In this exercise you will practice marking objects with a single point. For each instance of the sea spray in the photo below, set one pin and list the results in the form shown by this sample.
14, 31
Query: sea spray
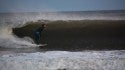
9, 40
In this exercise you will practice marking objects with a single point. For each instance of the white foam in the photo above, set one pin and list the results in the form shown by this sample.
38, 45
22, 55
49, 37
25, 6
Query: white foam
8, 40
85, 60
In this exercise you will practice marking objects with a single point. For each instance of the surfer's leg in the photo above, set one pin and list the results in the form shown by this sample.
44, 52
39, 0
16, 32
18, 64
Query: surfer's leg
37, 41
36, 38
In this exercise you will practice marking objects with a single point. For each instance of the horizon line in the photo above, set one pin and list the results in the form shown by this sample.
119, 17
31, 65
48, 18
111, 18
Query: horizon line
63, 11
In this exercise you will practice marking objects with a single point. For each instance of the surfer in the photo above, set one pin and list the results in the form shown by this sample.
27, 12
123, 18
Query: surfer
38, 32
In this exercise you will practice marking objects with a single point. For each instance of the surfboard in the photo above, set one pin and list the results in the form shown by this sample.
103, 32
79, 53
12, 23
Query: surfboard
41, 45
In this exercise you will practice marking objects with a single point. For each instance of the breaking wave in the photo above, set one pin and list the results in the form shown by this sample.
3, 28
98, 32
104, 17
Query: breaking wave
7, 37
14, 20
9, 40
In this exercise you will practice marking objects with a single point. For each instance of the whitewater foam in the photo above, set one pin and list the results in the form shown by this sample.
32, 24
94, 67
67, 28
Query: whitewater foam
7, 38
85, 60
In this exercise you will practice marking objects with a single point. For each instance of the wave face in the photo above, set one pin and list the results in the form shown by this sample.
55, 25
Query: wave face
13, 20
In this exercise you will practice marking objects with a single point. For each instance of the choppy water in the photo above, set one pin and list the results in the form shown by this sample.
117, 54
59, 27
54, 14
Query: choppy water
64, 60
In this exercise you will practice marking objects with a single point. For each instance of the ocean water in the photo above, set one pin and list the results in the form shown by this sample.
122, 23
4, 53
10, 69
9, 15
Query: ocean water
23, 54
64, 60
15, 20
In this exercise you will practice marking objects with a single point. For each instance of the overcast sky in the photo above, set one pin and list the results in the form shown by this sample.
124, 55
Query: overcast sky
60, 5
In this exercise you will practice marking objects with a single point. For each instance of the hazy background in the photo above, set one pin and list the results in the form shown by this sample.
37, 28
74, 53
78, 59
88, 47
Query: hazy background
60, 5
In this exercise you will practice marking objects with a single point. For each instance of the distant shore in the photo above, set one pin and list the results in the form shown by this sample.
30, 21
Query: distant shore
79, 34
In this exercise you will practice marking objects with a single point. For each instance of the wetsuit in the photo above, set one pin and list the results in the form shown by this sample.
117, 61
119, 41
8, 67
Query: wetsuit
37, 34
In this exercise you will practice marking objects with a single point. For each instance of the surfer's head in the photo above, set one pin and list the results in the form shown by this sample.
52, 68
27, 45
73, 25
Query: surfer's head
43, 26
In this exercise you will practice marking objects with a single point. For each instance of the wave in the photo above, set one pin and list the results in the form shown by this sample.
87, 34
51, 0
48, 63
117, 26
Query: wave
15, 20
8, 39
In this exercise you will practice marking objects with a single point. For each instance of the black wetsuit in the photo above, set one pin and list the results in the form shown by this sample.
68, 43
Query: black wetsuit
37, 34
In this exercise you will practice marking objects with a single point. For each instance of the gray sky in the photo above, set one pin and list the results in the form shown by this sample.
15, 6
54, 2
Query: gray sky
60, 5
